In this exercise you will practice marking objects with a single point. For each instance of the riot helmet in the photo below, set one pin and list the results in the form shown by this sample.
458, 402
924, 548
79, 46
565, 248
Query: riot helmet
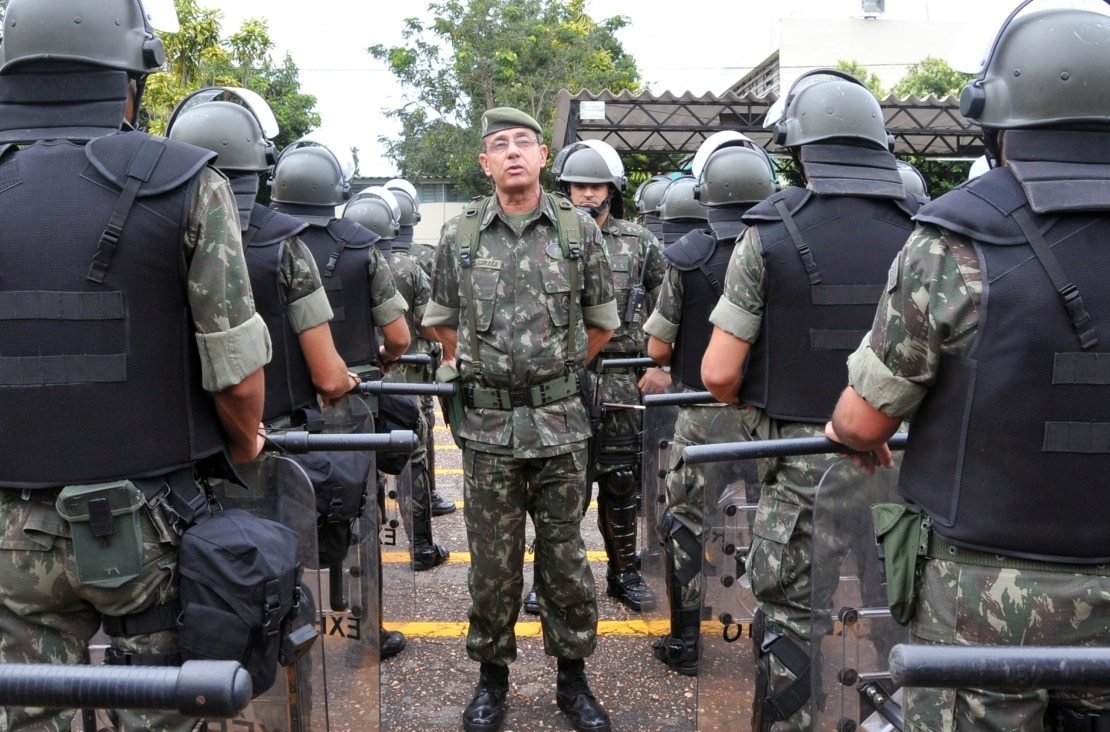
826, 104
407, 199
234, 131
1045, 67
592, 161
912, 180
679, 202
308, 182
377, 209
735, 175
650, 194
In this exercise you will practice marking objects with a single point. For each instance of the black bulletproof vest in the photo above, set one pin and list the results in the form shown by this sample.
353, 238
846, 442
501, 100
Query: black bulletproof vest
1010, 450
342, 250
814, 319
99, 371
703, 261
288, 381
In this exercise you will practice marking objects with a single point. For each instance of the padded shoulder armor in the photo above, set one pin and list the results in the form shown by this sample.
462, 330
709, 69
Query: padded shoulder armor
269, 227
694, 248
982, 209
794, 198
161, 164
353, 235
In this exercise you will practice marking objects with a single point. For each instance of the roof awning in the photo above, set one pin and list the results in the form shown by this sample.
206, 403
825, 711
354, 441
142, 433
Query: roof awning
658, 132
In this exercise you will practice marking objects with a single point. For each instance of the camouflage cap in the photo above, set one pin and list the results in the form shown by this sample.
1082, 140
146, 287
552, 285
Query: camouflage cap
505, 118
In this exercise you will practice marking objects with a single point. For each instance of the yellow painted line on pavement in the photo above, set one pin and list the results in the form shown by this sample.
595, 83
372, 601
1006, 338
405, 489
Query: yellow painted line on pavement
532, 629
447, 447
449, 471
458, 557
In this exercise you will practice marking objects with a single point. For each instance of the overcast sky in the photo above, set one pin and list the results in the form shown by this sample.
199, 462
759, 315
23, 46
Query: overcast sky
694, 45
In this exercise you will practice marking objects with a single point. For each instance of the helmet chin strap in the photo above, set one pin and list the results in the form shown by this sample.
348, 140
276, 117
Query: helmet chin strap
598, 210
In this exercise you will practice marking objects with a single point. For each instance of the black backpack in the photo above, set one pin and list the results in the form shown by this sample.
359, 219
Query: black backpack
241, 594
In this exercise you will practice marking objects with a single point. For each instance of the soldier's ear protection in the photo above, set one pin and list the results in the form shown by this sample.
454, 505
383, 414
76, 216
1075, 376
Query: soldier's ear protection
154, 52
973, 98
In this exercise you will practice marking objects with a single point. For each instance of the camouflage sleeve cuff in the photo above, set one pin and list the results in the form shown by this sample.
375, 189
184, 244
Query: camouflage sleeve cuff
389, 310
661, 328
735, 321
229, 356
436, 314
310, 311
602, 316
884, 390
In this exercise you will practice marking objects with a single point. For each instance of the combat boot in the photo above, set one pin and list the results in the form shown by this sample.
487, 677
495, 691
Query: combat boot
390, 643
486, 710
427, 556
573, 695
679, 650
440, 505
532, 602
616, 518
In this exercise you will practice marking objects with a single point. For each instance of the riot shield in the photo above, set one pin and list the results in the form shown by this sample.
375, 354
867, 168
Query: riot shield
730, 495
852, 630
277, 488
658, 435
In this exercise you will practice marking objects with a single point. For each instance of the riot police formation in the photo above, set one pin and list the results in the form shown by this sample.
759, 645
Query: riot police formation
592, 176
137, 287
988, 335
799, 294
733, 175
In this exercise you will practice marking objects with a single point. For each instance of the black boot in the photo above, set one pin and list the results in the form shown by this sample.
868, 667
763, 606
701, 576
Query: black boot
486, 710
616, 518
532, 602
390, 643
575, 699
679, 650
441, 506
426, 554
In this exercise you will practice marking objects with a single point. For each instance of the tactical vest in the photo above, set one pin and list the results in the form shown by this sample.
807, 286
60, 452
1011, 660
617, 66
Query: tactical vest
826, 260
628, 273
99, 372
288, 381
343, 252
703, 261
1010, 449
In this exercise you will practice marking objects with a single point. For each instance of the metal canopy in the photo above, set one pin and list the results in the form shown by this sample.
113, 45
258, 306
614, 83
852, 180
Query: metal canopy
658, 132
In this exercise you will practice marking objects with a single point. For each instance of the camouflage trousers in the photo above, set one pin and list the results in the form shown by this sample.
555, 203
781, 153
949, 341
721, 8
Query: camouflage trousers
47, 616
962, 604
780, 561
619, 434
499, 491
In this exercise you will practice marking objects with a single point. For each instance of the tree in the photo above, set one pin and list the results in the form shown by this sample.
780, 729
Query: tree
486, 53
865, 75
931, 75
197, 56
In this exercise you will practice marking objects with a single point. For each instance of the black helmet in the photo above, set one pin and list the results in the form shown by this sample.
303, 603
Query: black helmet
112, 34
735, 175
1045, 67
826, 104
232, 130
309, 182
376, 208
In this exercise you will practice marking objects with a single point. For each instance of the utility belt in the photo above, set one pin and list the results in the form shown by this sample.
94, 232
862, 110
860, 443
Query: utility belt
539, 395
941, 549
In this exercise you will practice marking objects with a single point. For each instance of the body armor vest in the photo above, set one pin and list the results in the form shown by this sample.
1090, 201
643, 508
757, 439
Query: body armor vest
288, 381
703, 261
820, 295
97, 330
627, 262
1009, 451
343, 252
403, 241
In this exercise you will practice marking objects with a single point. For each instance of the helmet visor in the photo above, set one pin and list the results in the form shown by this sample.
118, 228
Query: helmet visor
715, 141
161, 15
243, 97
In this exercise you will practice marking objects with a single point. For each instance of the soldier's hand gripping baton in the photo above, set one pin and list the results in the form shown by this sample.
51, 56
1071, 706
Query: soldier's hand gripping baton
298, 442
1006, 668
196, 689
773, 448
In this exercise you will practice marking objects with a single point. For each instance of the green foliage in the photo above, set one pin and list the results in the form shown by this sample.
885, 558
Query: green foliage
931, 76
197, 56
861, 72
486, 53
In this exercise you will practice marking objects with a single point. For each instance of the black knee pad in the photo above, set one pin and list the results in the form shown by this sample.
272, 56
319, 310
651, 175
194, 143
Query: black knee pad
618, 484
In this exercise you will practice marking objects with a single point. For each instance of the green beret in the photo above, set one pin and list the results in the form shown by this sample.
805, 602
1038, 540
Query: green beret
505, 118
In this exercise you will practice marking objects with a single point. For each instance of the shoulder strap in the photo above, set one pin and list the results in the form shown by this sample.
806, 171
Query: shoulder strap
469, 229
570, 240
804, 252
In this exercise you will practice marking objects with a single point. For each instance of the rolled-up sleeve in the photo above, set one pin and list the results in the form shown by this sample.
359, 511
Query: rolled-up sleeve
739, 311
229, 356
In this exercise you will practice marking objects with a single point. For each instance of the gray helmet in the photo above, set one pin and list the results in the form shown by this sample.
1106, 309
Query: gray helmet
735, 175
228, 129
590, 161
826, 104
376, 214
679, 202
309, 175
113, 34
1045, 67
650, 194
407, 198
912, 180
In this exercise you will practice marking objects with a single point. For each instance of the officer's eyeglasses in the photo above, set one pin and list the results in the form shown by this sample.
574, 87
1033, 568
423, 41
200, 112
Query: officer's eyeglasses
500, 146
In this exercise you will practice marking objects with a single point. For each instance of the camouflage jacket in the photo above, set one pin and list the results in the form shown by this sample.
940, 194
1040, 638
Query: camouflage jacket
631, 250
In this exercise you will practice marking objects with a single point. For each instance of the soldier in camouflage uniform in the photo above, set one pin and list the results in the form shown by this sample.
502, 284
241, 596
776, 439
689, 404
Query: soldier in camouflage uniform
1004, 465
376, 209
522, 289
796, 300
592, 176
174, 303
729, 182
